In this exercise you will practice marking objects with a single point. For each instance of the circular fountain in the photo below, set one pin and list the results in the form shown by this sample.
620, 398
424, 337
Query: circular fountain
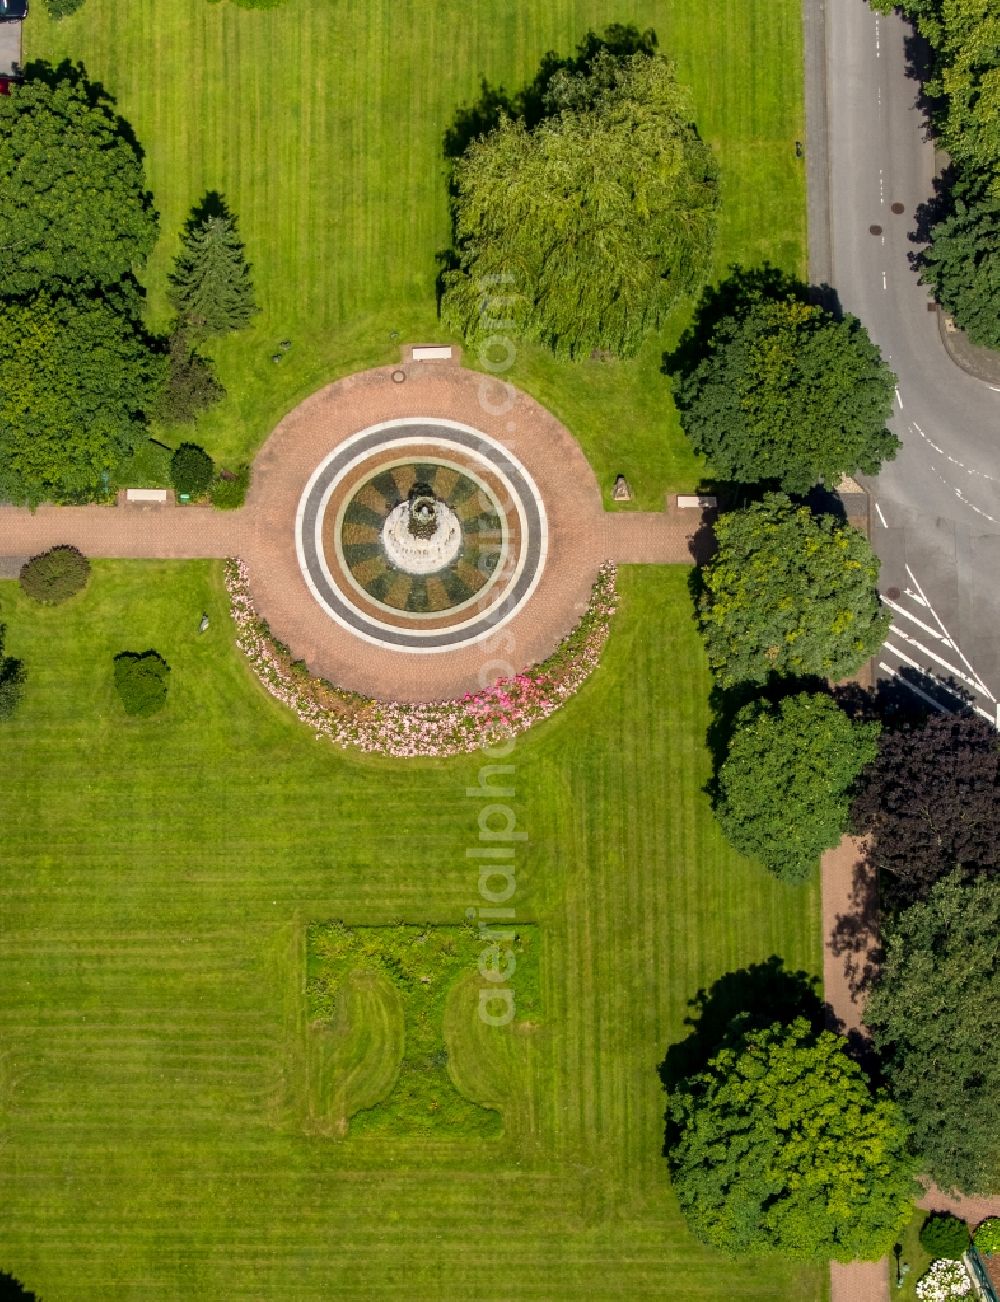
422, 535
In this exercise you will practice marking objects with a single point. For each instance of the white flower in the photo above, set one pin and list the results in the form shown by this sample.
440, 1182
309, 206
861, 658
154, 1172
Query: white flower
944, 1280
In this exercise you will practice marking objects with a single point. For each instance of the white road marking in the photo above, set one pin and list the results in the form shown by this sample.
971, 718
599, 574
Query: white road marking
899, 398
938, 705
978, 474
914, 688
882, 519
926, 438
963, 499
938, 660
901, 610
940, 623
884, 282
915, 596
995, 388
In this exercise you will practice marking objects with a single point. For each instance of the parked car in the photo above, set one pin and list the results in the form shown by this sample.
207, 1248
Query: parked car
12, 11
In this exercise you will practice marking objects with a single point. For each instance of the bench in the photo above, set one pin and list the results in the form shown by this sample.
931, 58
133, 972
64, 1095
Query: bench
697, 503
431, 353
146, 494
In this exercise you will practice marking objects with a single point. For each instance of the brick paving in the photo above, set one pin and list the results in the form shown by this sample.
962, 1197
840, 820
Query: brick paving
850, 963
581, 534
850, 950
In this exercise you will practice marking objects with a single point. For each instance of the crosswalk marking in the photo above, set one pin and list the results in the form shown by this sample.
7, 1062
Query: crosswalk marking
932, 655
940, 623
939, 674
900, 610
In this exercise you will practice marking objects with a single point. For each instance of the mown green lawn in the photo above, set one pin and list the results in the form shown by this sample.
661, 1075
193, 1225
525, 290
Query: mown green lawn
165, 1122
322, 123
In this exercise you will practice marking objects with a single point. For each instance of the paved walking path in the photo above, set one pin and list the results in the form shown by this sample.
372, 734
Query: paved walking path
850, 946
850, 962
581, 535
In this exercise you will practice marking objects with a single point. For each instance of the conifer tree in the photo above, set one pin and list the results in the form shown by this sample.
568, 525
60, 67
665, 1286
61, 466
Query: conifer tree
210, 285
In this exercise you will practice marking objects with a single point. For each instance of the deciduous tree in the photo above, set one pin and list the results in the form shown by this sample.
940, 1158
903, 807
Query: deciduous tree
584, 230
781, 1146
931, 803
788, 392
789, 592
935, 1017
784, 787
75, 381
962, 262
74, 208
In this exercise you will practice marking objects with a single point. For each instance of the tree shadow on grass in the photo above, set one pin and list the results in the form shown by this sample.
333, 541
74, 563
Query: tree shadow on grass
530, 105
735, 1005
12, 1290
741, 289
211, 206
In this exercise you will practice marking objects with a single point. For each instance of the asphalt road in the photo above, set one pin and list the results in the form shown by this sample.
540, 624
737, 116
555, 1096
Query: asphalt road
937, 517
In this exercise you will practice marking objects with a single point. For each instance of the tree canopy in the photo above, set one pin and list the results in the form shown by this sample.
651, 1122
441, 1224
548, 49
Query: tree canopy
935, 1018
965, 36
931, 802
582, 231
788, 392
789, 592
781, 1146
74, 208
964, 89
962, 261
784, 786
75, 380
210, 285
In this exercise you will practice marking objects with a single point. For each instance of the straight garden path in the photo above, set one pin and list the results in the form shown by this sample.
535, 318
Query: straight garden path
850, 962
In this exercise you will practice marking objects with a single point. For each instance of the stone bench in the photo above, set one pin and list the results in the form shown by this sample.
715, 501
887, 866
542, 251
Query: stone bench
431, 353
696, 503
161, 495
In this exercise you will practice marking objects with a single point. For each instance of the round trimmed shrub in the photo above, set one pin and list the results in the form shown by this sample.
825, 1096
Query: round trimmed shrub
987, 1237
61, 8
944, 1235
229, 490
56, 575
141, 680
191, 470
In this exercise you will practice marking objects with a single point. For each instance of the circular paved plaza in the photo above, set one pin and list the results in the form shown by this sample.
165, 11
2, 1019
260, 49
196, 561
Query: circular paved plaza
415, 538
421, 535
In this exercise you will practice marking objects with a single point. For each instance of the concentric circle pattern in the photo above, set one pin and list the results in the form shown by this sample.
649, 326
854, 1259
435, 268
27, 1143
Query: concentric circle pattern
426, 586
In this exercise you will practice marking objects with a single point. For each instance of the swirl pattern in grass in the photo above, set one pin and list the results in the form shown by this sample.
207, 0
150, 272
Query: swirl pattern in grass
409, 995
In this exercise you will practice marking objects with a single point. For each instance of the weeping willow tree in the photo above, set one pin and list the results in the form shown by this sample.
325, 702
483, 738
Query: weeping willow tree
581, 232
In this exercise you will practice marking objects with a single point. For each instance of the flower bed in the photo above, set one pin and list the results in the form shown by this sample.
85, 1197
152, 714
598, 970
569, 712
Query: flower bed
944, 1280
395, 728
